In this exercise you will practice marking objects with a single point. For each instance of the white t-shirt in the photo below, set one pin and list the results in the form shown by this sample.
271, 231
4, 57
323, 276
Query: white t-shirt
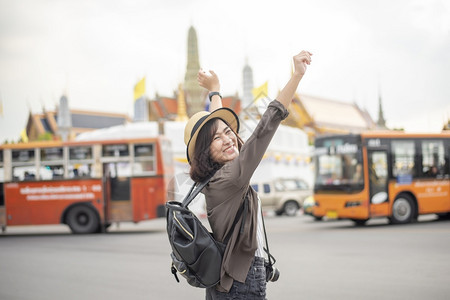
260, 232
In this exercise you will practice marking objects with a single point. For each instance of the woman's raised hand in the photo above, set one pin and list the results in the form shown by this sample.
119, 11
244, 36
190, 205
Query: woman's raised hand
301, 61
209, 82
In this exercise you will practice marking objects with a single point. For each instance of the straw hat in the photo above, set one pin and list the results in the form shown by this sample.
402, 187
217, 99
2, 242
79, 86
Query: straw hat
196, 122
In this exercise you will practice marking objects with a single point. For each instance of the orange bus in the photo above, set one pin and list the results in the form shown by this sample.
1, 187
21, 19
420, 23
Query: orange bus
382, 174
86, 185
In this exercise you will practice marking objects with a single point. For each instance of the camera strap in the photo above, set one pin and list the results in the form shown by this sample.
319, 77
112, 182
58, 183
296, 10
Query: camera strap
266, 249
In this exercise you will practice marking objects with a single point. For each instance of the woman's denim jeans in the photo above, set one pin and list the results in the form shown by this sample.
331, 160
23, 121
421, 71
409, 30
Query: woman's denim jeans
253, 288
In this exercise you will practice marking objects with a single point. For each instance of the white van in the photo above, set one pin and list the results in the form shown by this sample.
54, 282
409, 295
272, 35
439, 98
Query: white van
283, 195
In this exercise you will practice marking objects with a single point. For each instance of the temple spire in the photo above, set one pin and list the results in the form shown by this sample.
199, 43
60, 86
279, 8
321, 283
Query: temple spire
194, 93
64, 118
247, 73
381, 121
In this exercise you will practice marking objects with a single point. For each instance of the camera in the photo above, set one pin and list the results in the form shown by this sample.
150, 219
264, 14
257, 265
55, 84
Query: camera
272, 274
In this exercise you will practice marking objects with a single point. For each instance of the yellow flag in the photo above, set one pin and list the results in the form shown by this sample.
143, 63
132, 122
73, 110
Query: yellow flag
24, 136
139, 89
260, 92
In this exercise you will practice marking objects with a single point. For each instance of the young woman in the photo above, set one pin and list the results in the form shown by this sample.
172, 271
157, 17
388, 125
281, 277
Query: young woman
215, 149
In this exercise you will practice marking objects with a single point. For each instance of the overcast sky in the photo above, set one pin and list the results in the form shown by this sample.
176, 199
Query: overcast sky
96, 51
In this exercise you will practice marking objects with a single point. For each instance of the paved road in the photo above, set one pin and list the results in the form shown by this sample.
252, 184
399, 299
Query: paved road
318, 260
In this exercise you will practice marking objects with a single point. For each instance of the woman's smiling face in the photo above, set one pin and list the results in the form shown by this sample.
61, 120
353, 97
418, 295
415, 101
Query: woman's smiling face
224, 145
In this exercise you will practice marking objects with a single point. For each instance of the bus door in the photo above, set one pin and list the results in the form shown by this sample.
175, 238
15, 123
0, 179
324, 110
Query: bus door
378, 182
117, 191
2, 207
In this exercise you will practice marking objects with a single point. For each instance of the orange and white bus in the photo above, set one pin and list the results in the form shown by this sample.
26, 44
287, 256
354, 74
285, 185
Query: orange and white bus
382, 174
86, 185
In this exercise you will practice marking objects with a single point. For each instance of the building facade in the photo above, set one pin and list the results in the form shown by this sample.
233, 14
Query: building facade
65, 124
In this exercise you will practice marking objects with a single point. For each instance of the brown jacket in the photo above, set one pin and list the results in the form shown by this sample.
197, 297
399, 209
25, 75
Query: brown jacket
225, 194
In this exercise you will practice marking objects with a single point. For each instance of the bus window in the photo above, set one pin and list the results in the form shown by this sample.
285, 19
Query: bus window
51, 172
52, 163
339, 169
51, 154
119, 169
144, 159
80, 170
80, 153
80, 162
23, 156
144, 150
433, 158
24, 173
403, 158
116, 150
328, 169
23, 165
358, 175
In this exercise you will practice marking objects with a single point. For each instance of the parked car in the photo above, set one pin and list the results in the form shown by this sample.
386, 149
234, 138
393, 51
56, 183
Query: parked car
308, 207
284, 195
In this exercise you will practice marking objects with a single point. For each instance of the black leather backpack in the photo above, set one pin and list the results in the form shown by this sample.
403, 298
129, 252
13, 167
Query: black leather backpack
196, 255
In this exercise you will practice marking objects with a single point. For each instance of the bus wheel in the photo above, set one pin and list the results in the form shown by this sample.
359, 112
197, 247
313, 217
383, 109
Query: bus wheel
290, 208
359, 222
402, 210
82, 219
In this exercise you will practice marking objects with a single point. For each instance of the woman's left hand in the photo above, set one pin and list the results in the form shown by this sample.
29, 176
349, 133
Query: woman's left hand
209, 82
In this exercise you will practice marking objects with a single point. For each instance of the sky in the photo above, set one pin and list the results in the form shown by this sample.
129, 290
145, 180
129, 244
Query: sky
96, 51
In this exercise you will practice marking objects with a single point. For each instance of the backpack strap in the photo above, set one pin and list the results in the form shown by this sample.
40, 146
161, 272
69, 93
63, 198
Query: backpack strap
195, 190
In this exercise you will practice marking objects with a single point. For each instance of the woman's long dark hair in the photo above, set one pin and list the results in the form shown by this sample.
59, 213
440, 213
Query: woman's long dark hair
202, 165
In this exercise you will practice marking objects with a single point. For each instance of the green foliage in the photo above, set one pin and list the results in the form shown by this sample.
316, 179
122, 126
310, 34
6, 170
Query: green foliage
47, 136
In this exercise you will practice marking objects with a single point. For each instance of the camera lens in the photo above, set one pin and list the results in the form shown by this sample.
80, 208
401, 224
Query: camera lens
272, 274
275, 275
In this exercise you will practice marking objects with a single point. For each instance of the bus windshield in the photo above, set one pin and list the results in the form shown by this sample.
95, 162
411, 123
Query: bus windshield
339, 168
